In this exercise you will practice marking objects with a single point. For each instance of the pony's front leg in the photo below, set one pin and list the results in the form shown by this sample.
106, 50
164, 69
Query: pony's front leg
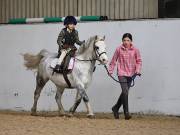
85, 98
89, 110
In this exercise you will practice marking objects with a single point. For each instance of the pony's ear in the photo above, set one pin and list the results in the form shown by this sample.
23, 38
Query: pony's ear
96, 38
104, 37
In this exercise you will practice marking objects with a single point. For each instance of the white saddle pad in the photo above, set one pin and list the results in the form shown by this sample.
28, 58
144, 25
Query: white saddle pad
55, 62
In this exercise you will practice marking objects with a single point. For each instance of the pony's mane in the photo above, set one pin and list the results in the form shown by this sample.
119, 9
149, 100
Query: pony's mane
86, 45
89, 42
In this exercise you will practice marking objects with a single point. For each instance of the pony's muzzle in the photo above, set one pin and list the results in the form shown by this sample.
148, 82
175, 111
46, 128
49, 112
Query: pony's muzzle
104, 60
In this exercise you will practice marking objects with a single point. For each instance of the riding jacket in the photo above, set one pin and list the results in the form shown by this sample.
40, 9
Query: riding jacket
68, 39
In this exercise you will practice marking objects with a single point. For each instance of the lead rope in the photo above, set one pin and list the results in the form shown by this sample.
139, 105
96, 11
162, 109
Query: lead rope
133, 77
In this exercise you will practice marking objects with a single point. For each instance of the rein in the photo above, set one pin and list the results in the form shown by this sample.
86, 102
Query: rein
86, 60
94, 59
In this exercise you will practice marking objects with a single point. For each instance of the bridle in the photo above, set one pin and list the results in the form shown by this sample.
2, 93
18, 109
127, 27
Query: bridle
97, 53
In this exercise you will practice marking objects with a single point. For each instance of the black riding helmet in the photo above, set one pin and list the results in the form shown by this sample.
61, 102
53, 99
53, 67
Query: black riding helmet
70, 20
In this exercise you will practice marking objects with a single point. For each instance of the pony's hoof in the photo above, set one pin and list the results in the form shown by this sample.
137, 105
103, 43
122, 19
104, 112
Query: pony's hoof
90, 116
33, 114
65, 115
69, 115
61, 114
71, 111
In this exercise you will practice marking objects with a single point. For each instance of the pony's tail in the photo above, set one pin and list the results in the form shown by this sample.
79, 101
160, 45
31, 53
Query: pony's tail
32, 61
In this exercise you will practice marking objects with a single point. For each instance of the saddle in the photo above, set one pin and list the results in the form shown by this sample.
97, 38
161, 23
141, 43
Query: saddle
67, 64
66, 67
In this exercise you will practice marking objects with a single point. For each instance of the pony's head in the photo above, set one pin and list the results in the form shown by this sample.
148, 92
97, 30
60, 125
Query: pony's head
100, 49
96, 47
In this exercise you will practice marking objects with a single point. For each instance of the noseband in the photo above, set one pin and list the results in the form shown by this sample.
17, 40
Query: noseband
98, 54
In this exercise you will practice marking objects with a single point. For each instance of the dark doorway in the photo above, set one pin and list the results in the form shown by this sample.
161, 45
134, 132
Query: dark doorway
169, 8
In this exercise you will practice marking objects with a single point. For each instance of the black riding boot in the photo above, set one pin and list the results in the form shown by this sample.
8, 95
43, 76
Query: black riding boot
126, 107
116, 107
57, 68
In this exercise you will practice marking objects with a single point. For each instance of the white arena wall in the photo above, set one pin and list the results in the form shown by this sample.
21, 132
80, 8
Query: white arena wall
156, 91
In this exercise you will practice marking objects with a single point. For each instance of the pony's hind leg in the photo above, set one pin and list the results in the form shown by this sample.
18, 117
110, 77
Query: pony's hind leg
76, 103
58, 96
40, 82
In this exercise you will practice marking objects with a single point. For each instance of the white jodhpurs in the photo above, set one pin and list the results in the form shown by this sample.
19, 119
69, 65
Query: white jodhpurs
63, 54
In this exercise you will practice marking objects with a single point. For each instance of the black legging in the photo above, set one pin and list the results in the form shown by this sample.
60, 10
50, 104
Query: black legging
123, 98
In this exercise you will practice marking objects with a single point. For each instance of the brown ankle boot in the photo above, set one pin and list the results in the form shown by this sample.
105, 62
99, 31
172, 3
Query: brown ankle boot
126, 108
127, 116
